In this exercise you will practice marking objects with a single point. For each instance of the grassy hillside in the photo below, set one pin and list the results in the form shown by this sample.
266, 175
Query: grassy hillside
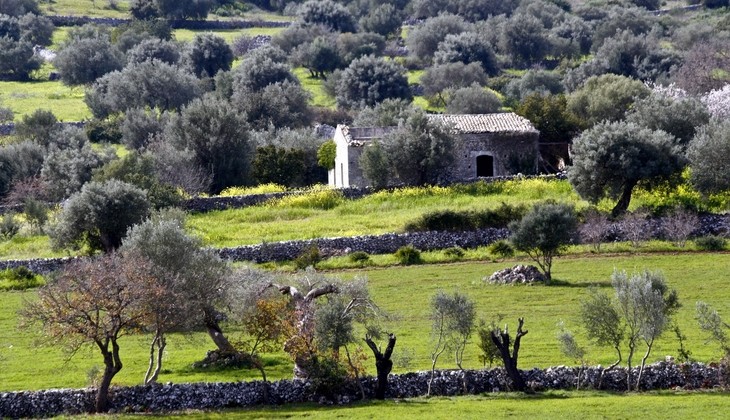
405, 292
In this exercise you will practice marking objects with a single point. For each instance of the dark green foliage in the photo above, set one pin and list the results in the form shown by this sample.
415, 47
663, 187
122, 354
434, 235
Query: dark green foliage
408, 255
456, 75
154, 49
9, 227
524, 38
541, 82
140, 125
310, 257
326, 154
467, 47
708, 156
678, 117
17, 59
19, 7
711, 243
351, 46
140, 170
423, 40
82, 61
359, 257
19, 279
40, 127
278, 166
302, 144
281, 105
369, 80
104, 131
375, 165
489, 353
550, 116
610, 159
384, 20
262, 67
420, 151
502, 249
208, 54
151, 84
606, 97
327, 375
171, 9
38, 30
36, 213
544, 232
19, 161
217, 134
328, 13
69, 163
472, 99
319, 56
449, 220
98, 216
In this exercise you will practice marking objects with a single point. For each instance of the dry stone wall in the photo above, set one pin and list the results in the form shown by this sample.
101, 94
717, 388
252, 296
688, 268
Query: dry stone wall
201, 396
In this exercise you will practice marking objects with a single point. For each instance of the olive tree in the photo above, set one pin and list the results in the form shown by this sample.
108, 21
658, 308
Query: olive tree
423, 40
217, 134
207, 54
196, 274
369, 80
640, 312
610, 159
472, 99
679, 117
98, 216
708, 156
607, 97
83, 60
453, 319
544, 232
328, 13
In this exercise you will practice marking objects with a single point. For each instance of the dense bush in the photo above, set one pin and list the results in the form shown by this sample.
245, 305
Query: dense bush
19, 279
408, 255
711, 243
467, 220
9, 227
310, 257
359, 257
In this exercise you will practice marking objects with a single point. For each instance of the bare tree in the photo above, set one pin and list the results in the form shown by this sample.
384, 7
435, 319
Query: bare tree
94, 301
502, 340
633, 227
679, 226
594, 229
383, 364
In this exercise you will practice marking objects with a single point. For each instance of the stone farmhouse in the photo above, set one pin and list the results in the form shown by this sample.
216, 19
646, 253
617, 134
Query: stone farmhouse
487, 145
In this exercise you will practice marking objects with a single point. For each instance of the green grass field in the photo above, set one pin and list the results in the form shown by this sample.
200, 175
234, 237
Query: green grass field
67, 103
548, 405
405, 292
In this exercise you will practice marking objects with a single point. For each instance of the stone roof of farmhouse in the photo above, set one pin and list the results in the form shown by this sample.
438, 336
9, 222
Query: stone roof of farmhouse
505, 122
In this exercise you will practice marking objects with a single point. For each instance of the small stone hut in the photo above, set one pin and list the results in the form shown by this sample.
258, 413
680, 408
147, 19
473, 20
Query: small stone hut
487, 145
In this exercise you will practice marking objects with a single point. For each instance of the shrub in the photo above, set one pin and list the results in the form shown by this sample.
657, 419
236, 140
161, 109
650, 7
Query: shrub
19, 279
308, 258
454, 252
9, 227
36, 213
442, 220
360, 257
408, 255
319, 199
502, 249
711, 243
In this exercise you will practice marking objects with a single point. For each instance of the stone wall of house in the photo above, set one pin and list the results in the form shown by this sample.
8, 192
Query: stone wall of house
207, 396
501, 146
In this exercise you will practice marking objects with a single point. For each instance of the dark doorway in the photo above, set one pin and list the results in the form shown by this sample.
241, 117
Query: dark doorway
485, 165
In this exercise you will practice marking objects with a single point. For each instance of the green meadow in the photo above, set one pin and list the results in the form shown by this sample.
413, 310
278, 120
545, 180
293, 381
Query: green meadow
405, 293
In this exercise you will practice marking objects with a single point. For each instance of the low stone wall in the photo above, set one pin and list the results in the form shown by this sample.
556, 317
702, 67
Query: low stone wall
203, 396
375, 244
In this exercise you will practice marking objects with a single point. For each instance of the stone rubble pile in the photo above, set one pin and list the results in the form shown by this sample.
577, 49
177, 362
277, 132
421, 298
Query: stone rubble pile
519, 274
